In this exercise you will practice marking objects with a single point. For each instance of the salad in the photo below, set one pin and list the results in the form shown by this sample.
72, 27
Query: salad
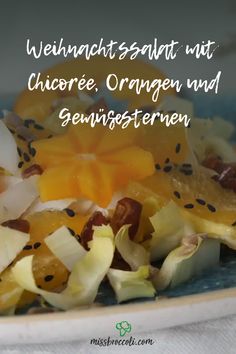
139, 210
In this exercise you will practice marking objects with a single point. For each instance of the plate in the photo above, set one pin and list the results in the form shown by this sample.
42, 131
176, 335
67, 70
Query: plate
95, 323
202, 298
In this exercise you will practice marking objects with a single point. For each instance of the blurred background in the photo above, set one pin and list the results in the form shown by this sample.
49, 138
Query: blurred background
87, 21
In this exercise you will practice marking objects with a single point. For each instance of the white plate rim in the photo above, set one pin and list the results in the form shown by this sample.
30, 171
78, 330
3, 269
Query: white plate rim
99, 322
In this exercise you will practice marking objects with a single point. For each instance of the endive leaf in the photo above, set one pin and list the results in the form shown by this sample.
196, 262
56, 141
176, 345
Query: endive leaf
170, 227
225, 233
133, 253
8, 150
84, 279
131, 285
65, 247
17, 199
196, 254
11, 244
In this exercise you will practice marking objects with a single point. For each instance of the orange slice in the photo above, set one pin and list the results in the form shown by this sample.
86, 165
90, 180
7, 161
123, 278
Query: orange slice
196, 192
38, 104
45, 263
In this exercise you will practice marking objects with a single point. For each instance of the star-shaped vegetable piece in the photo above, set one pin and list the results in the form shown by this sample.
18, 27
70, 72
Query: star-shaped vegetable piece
90, 163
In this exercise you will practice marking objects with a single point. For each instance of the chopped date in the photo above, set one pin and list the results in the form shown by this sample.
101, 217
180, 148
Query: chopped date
212, 162
229, 184
18, 224
128, 211
97, 219
119, 263
226, 172
32, 170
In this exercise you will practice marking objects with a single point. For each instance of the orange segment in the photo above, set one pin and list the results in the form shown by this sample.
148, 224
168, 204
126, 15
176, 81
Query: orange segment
45, 263
24, 133
38, 104
106, 178
166, 142
197, 193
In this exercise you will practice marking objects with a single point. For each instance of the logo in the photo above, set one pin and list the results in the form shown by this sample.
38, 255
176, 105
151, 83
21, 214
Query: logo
124, 327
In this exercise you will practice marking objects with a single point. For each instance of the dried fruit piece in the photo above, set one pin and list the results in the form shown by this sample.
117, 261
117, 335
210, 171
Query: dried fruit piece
18, 224
97, 219
127, 212
32, 170
226, 172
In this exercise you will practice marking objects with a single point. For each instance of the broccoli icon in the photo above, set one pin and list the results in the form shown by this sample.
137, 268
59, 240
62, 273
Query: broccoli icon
124, 327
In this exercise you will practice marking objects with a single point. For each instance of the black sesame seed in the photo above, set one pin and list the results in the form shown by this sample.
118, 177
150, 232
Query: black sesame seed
178, 148
211, 208
32, 151
27, 247
50, 136
20, 164
48, 278
177, 194
234, 223
187, 172
167, 160
167, 168
21, 137
38, 126
189, 206
186, 165
200, 201
70, 212
26, 157
26, 123
19, 151
29, 121
37, 245
158, 167
39, 286
71, 231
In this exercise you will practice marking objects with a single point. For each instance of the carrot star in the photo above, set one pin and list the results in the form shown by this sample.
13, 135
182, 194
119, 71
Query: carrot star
90, 163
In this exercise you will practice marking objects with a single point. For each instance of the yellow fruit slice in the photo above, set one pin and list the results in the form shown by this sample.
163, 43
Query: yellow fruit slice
196, 192
24, 133
49, 272
167, 144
